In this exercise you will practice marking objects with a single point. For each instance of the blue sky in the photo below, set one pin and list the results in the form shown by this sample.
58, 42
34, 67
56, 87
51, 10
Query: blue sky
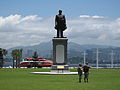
30, 22
72, 8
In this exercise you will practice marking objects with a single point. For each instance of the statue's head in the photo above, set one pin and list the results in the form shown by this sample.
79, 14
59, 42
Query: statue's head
60, 11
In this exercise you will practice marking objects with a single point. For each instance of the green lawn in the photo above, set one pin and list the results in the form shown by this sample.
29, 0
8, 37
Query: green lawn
20, 79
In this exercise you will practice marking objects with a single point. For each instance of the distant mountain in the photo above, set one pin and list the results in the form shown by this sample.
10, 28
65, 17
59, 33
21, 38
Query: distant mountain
45, 49
79, 47
75, 52
42, 49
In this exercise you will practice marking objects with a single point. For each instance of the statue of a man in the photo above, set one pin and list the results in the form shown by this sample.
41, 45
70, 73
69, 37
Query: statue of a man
60, 24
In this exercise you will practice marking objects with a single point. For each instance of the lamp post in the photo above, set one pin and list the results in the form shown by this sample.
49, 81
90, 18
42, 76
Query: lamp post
97, 58
112, 56
84, 54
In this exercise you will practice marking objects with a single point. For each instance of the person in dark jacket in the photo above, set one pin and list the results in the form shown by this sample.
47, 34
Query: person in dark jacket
80, 70
86, 72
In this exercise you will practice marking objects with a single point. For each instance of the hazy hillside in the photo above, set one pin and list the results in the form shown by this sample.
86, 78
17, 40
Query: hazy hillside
45, 49
75, 52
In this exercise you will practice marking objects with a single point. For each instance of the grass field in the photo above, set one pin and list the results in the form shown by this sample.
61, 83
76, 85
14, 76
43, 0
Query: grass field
20, 79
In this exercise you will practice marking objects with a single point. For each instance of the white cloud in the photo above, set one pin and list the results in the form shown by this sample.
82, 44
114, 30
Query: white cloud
84, 16
16, 30
95, 30
97, 16
87, 16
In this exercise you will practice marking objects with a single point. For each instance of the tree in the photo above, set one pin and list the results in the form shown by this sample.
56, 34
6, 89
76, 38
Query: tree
5, 52
17, 55
35, 55
2, 52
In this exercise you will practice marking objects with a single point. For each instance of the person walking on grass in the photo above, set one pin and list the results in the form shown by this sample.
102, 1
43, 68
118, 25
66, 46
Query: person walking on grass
86, 72
80, 70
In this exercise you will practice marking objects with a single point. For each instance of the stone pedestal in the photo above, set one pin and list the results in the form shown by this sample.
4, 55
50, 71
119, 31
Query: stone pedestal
60, 61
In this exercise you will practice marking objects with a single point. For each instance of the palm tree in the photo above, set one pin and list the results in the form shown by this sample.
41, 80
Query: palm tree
35, 55
14, 56
17, 55
2, 52
5, 52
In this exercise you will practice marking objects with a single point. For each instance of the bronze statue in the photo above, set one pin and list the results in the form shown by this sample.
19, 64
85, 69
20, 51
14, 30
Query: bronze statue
60, 24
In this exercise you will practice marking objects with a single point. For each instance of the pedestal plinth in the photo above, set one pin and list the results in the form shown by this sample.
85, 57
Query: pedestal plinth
60, 61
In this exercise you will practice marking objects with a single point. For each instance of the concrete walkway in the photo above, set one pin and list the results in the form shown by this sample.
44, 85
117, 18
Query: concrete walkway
54, 73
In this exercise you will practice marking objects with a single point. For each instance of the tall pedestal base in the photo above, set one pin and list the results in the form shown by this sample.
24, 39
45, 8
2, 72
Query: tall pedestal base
60, 61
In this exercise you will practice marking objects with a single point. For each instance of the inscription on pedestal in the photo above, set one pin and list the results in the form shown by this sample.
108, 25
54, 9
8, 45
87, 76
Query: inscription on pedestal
60, 54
